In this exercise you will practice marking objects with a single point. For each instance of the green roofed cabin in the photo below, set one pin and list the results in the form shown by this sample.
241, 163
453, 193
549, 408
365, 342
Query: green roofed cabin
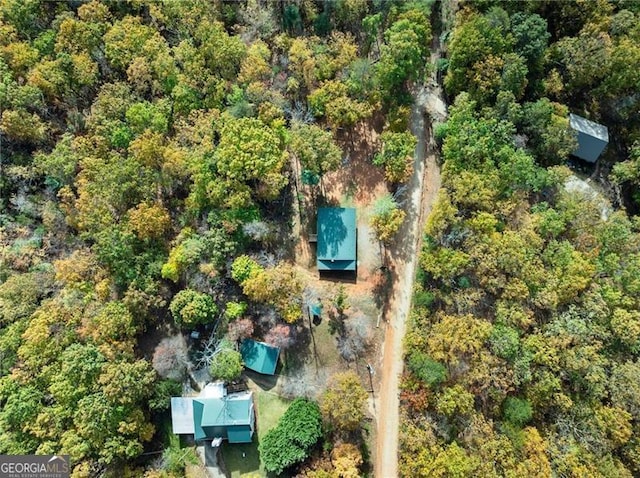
214, 415
259, 357
336, 239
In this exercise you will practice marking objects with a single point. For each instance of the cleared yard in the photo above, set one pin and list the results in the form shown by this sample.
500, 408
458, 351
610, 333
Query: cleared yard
243, 460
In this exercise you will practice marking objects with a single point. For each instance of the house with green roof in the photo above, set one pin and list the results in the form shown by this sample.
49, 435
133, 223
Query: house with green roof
259, 356
215, 415
336, 239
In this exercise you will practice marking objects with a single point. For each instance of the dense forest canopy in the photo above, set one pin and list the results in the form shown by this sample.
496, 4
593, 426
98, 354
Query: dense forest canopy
523, 356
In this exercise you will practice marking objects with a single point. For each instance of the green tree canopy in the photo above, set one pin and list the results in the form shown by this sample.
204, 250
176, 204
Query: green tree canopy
190, 308
292, 440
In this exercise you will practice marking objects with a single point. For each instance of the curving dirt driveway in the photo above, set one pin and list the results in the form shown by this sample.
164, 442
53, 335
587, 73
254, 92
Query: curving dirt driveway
420, 197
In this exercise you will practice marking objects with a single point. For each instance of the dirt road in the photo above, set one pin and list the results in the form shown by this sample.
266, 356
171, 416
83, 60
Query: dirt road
420, 197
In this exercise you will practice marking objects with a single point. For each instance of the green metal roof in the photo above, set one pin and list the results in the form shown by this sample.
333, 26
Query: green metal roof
239, 434
336, 239
260, 357
214, 417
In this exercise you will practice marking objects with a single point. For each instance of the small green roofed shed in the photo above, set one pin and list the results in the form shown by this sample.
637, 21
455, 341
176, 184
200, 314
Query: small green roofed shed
336, 239
259, 357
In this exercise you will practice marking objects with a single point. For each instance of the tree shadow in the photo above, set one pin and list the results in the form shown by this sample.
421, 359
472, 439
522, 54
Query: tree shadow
297, 355
265, 382
350, 277
382, 283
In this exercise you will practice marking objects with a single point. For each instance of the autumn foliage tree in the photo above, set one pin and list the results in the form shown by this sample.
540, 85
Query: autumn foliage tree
170, 358
279, 287
396, 156
343, 404
387, 218
190, 308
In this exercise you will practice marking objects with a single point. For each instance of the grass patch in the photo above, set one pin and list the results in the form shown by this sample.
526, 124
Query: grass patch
270, 408
244, 459
328, 355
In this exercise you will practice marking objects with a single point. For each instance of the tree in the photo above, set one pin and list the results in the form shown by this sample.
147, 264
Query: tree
280, 336
396, 155
332, 101
60, 164
251, 150
315, 148
125, 40
475, 40
190, 308
106, 430
349, 13
403, 55
240, 329
226, 363
113, 325
585, 58
292, 440
517, 411
260, 20
162, 393
387, 218
278, 286
625, 392
127, 383
23, 127
426, 369
244, 268
629, 171
343, 404
149, 221
235, 310
170, 358
215, 245
20, 295
347, 460
547, 126
454, 339
531, 38
455, 401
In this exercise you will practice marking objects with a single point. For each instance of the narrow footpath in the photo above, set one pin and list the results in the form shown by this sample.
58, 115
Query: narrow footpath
421, 194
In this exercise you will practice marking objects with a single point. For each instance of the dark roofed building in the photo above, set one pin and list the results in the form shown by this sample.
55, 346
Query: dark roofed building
336, 239
592, 138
